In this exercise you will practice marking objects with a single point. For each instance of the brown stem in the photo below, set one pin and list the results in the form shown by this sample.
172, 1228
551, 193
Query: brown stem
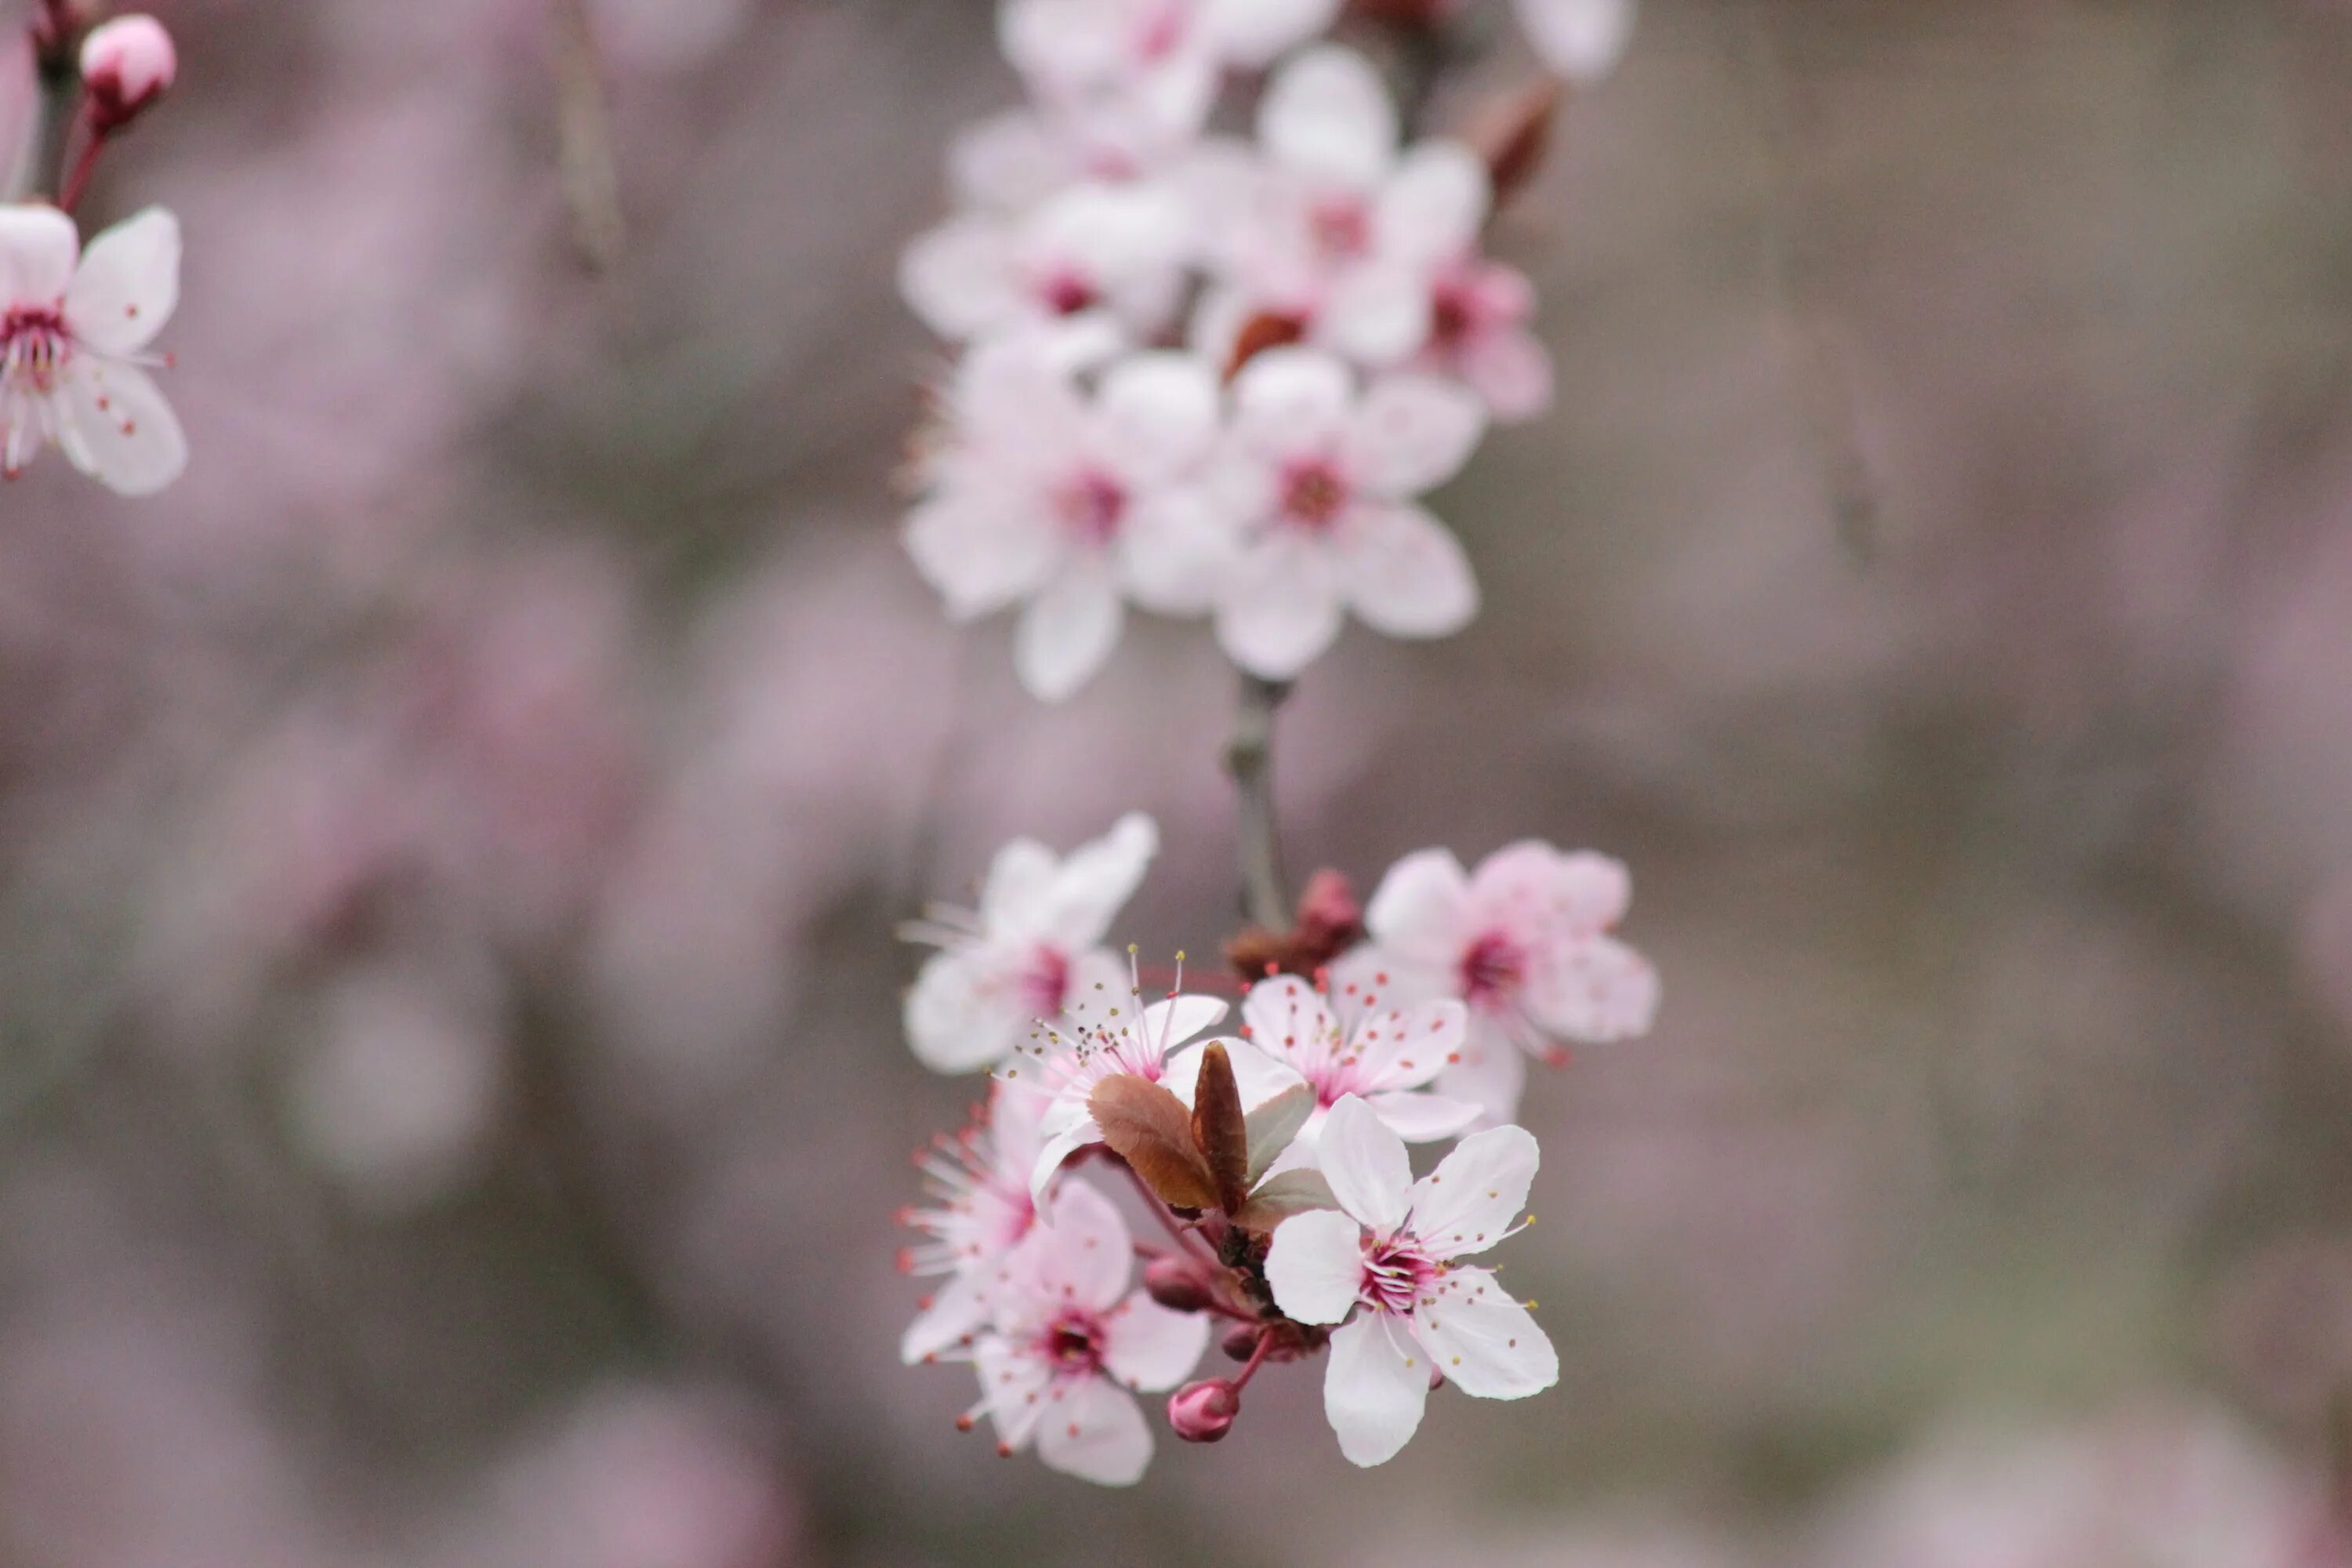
77, 180
590, 180
1249, 758
56, 38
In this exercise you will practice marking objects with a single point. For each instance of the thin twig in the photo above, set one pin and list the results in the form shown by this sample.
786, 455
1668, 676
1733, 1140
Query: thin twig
584, 126
57, 76
1249, 758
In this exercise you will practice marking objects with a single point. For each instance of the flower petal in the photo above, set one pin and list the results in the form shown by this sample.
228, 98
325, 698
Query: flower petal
1420, 907
1599, 990
1083, 1253
1013, 1381
1484, 1341
1376, 314
1096, 880
958, 1020
1172, 1020
1434, 204
1152, 1348
1094, 1430
959, 277
1291, 400
1327, 115
1492, 1075
1411, 433
1594, 890
1067, 631
1286, 1016
1405, 1048
1365, 1164
1470, 1200
37, 247
1511, 370
1405, 574
978, 552
121, 431
1175, 550
1316, 1265
1581, 40
1374, 1387
1281, 608
1156, 417
1059, 1146
1250, 33
959, 1309
128, 284
1419, 1117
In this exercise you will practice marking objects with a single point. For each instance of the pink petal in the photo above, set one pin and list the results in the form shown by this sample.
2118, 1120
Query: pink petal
1476, 1193
1316, 1265
1375, 1387
1484, 1341
1404, 572
1365, 1164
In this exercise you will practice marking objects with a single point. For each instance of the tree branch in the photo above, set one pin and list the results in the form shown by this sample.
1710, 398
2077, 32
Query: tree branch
1249, 758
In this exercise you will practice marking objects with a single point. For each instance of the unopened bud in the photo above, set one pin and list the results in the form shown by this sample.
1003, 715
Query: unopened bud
1203, 1412
1176, 1284
127, 64
1240, 1341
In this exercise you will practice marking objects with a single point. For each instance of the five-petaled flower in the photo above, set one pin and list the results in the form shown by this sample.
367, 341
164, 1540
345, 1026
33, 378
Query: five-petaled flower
1526, 942
1068, 1343
1389, 1057
1322, 480
981, 1209
74, 331
1390, 1255
1031, 951
1075, 504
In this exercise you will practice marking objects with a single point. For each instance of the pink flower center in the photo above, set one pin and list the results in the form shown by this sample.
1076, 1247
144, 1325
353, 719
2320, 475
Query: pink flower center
1047, 983
1161, 34
1092, 506
1074, 1344
1454, 314
1314, 494
33, 344
1342, 228
1066, 293
1492, 971
1397, 1274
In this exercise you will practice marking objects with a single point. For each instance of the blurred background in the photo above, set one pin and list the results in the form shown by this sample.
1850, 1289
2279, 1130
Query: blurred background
452, 1101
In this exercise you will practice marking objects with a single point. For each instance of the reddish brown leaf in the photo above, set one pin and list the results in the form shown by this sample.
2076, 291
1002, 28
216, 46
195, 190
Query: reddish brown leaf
1266, 330
1220, 1131
1150, 1129
1513, 132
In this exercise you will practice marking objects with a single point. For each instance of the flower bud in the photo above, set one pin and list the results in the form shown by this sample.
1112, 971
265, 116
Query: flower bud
1240, 1341
1203, 1412
1176, 1284
127, 64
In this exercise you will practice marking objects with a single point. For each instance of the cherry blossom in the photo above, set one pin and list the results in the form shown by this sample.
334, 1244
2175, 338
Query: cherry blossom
1388, 1254
1104, 261
1031, 951
1581, 40
1526, 942
1069, 1345
1323, 480
981, 1210
1170, 53
1072, 504
74, 329
126, 65
1388, 1058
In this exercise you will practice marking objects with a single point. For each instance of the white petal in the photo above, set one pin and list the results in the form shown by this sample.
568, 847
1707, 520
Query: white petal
1581, 40
1405, 1048
1404, 572
1094, 883
1250, 33
1067, 631
958, 1307
1176, 550
1014, 900
1470, 1200
1434, 204
1376, 314
1281, 607
1291, 400
1092, 1430
1259, 1077
1420, 907
1008, 162
959, 277
1411, 434
1316, 1265
1326, 114
957, 1017
38, 247
1365, 1164
1512, 370
1594, 890
1059, 1146
1483, 1341
977, 553
1421, 1118
1492, 1075
1374, 1388
1152, 1348
1013, 1381
123, 434
1172, 1020
1083, 1253
1156, 417
128, 284
1286, 1016
1597, 990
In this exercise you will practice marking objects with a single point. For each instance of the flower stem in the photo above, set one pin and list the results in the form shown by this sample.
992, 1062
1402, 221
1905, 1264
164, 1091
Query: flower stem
1257, 1359
1249, 758
590, 179
57, 76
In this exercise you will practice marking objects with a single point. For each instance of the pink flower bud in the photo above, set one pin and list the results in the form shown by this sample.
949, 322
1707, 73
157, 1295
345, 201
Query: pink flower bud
1240, 1341
1176, 1284
127, 64
1203, 1412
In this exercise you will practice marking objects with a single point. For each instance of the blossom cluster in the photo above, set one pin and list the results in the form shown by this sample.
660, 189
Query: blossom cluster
77, 324
1273, 1156
1210, 375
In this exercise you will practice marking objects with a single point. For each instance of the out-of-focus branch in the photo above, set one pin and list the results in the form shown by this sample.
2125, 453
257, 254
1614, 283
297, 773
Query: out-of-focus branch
1823, 389
1249, 757
583, 127
57, 37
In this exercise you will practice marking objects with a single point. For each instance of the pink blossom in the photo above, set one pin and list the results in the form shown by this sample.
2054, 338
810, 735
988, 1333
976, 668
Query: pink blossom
126, 65
1072, 504
1103, 262
1032, 952
74, 329
1387, 1056
1478, 335
1070, 1345
981, 1210
1388, 1254
1321, 480
1580, 40
1526, 942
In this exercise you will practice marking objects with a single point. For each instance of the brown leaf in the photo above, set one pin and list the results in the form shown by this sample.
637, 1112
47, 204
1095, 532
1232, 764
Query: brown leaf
1513, 132
1220, 1131
1266, 330
1150, 1129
